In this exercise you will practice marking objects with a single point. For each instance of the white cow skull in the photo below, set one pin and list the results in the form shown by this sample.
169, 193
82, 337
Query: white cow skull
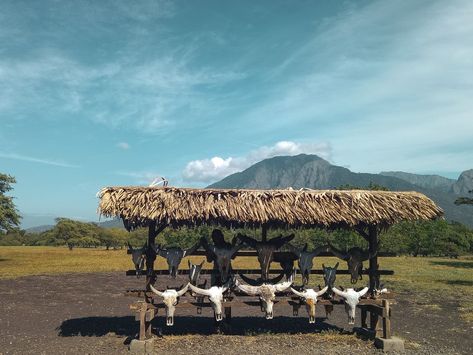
352, 298
170, 300
266, 293
215, 295
310, 298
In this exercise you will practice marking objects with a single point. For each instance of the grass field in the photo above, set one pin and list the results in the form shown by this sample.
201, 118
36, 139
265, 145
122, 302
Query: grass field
431, 280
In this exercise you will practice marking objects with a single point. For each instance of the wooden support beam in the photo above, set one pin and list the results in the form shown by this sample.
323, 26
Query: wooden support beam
251, 272
373, 250
387, 320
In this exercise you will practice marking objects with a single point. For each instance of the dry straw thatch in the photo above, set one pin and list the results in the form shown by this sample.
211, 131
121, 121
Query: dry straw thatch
275, 208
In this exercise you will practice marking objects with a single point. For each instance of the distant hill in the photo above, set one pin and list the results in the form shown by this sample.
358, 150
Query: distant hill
464, 184
311, 171
40, 229
113, 223
435, 182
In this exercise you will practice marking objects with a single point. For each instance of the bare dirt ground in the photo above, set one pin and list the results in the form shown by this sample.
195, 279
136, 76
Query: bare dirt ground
88, 314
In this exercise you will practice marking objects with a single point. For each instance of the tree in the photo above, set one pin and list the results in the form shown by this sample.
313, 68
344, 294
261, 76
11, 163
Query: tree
9, 216
464, 200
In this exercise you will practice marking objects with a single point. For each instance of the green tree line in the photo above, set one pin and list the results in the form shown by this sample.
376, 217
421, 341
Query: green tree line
422, 238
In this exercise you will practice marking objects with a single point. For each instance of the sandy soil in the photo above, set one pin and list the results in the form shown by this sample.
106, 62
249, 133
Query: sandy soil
88, 314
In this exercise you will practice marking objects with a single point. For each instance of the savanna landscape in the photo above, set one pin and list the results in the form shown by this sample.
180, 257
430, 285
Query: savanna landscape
236, 177
55, 300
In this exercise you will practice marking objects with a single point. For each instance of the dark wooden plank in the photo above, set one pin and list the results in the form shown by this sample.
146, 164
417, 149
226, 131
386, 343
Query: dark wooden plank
254, 253
251, 272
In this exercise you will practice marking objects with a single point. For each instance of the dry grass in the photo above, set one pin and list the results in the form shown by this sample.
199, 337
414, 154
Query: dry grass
179, 206
431, 280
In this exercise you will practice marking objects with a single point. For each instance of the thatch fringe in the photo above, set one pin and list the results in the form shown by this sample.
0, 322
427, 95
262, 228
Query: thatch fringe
274, 208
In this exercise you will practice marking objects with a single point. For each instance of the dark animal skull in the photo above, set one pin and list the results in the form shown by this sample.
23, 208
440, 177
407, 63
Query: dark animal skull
330, 275
265, 250
354, 258
221, 254
138, 258
174, 256
194, 272
306, 260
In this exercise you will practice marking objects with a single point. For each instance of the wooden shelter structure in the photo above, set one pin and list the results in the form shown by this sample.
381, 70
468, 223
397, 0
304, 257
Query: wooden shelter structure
367, 212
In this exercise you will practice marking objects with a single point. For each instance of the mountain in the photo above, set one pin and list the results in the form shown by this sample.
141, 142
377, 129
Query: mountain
464, 184
40, 229
435, 182
112, 223
311, 171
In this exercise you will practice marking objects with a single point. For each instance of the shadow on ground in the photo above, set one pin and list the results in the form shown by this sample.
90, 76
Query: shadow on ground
128, 326
459, 282
454, 264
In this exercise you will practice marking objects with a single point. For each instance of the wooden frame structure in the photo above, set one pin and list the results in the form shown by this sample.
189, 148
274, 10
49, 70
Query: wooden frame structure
366, 212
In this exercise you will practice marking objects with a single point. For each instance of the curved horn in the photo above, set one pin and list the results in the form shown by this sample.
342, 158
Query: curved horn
200, 291
183, 290
363, 292
317, 251
280, 241
338, 253
339, 293
249, 290
247, 240
336, 265
192, 249
294, 250
283, 285
252, 282
322, 291
297, 293
160, 294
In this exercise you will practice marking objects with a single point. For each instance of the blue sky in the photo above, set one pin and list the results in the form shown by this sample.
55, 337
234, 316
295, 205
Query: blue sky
98, 93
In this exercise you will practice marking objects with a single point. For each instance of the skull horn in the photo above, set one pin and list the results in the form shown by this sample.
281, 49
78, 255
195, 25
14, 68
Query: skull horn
363, 292
183, 290
322, 291
199, 291
339, 293
160, 294
297, 293
337, 252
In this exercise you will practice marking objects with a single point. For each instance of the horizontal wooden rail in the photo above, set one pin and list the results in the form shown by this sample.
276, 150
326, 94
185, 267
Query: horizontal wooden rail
276, 254
251, 272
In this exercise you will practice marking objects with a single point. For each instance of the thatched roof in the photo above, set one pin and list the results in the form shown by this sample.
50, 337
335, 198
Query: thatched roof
274, 208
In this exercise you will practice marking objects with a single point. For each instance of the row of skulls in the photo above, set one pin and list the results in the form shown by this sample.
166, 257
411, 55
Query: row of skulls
266, 293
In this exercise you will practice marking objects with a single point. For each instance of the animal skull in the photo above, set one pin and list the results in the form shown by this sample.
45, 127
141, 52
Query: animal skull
330, 275
265, 250
221, 254
310, 298
352, 298
194, 271
306, 260
174, 256
215, 295
138, 257
354, 258
170, 300
266, 293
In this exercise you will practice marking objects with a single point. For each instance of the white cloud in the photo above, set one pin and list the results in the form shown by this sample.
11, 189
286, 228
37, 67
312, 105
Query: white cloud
212, 169
37, 160
123, 145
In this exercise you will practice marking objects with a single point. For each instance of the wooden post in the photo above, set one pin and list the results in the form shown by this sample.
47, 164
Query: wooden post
264, 232
150, 253
228, 314
149, 318
386, 320
373, 268
142, 335
364, 315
